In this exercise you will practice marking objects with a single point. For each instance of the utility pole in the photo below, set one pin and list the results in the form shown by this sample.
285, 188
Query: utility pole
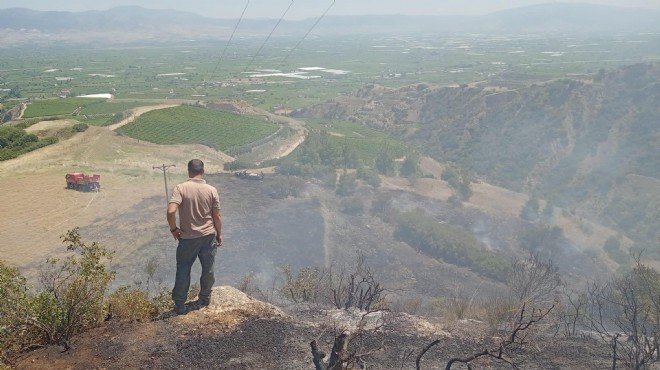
164, 168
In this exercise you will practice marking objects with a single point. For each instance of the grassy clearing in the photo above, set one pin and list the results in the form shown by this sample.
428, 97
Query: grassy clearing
53, 107
365, 141
193, 125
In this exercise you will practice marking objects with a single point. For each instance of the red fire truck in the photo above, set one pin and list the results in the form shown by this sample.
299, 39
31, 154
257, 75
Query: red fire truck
80, 181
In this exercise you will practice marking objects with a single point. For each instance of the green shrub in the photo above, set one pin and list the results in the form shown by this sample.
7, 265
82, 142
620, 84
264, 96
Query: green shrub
132, 304
452, 244
72, 299
79, 127
352, 206
369, 175
16, 332
347, 184
238, 165
410, 166
14, 142
284, 186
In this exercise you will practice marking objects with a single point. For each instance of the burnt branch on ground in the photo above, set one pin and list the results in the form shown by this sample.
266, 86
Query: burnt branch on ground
517, 336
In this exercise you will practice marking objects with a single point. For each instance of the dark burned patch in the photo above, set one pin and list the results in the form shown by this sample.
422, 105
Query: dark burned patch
260, 234
255, 344
237, 340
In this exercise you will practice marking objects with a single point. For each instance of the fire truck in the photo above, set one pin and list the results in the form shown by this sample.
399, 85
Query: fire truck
81, 182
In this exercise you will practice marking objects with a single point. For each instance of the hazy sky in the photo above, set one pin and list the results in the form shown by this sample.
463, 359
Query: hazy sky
309, 8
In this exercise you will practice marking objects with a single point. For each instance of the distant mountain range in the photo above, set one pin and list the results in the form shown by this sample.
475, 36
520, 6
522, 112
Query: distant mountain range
130, 24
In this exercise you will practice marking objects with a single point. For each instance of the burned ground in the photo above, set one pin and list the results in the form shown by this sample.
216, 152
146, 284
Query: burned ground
238, 333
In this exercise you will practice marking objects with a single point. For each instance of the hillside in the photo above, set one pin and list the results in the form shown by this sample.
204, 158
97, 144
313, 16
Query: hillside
583, 145
263, 237
239, 332
131, 24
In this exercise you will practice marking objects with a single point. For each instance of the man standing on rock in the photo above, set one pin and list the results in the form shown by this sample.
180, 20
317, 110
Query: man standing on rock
199, 233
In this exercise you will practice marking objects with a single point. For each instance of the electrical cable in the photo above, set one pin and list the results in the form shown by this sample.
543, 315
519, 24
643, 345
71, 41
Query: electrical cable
232, 35
269, 35
308, 32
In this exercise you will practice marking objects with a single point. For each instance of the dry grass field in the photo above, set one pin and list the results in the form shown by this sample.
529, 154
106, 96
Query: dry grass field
37, 207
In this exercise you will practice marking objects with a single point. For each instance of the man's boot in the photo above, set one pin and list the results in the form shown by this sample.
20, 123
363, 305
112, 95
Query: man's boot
180, 308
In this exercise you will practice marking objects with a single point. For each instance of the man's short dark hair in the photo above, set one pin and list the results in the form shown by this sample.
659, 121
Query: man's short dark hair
195, 166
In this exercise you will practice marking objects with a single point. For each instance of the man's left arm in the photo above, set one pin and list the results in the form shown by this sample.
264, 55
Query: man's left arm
171, 220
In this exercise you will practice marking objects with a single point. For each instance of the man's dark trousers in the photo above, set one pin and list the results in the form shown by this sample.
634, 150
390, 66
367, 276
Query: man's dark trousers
187, 252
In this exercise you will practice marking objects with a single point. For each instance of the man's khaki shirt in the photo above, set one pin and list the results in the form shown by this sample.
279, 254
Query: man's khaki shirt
196, 201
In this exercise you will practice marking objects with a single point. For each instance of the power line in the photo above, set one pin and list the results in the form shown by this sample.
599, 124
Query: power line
232, 36
269, 35
164, 168
309, 31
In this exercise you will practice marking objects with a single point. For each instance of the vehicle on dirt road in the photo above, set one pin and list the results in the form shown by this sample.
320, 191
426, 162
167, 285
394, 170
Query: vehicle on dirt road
249, 175
81, 182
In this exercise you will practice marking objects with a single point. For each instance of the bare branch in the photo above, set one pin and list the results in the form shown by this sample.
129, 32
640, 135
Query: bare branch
421, 354
516, 336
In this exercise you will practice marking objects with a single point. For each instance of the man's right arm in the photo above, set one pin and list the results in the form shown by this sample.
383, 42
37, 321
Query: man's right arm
172, 207
171, 220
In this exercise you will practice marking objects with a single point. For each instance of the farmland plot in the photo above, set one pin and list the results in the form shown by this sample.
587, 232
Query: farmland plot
193, 125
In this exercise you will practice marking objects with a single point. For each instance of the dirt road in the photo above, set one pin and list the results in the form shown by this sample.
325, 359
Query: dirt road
137, 112
292, 142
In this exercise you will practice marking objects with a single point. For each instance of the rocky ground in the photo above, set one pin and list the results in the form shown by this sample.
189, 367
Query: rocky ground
239, 332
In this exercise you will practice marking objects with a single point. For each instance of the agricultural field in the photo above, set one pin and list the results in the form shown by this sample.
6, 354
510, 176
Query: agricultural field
194, 125
111, 107
320, 68
55, 107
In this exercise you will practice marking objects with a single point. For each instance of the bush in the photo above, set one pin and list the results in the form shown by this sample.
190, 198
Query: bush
369, 175
16, 332
79, 127
454, 201
347, 184
358, 288
130, 304
385, 163
238, 165
612, 247
352, 206
410, 166
72, 299
309, 285
500, 312
7, 153
284, 186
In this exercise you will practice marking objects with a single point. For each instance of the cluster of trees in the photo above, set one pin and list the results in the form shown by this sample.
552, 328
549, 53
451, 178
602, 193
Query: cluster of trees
532, 211
458, 179
15, 141
320, 156
449, 243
